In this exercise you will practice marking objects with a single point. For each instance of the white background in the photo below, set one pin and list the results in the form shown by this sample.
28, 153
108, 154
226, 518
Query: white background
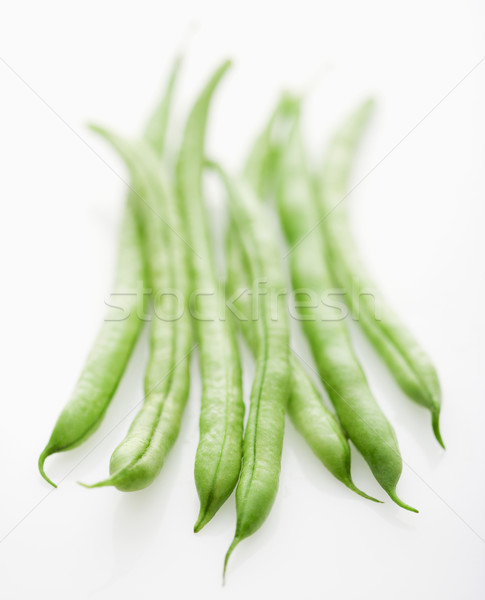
419, 220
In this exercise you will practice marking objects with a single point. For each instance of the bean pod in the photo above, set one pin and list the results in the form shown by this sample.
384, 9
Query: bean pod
109, 355
263, 438
339, 369
112, 349
309, 415
140, 456
218, 457
406, 359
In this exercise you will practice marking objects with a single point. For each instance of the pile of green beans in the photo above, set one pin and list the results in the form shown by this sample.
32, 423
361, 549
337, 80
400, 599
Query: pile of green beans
308, 413
339, 369
113, 346
166, 245
138, 459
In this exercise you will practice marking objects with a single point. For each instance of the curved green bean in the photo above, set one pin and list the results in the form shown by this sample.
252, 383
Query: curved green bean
113, 346
309, 415
263, 438
337, 364
407, 361
109, 354
140, 456
218, 457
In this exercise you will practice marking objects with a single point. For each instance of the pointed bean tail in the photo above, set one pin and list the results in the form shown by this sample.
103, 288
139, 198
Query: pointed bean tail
351, 485
103, 483
45, 453
435, 422
395, 498
205, 515
156, 128
230, 550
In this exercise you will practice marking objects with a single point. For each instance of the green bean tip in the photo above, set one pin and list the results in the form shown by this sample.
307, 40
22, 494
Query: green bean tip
100, 130
435, 421
355, 489
400, 503
42, 458
95, 127
369, 104
202, 520
90, 486
230, 550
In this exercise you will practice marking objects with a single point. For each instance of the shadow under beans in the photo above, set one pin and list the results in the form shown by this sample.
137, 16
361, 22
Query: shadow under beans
391, 513
315, 472
250, 549
139, 516
138, 519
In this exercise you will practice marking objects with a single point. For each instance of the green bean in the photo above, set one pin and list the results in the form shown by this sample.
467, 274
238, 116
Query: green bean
263, 439
260, 166
113, 346
218, 457
109, 355
337, 364
156, 129
140, 456
309, 415
407, 361
311, 418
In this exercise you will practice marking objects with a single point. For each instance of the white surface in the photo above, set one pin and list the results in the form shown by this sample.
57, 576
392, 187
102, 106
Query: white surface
419, 218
